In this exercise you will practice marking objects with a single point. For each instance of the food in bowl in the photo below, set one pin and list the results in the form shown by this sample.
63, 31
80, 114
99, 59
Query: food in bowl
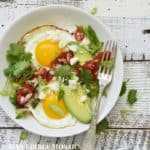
52, 74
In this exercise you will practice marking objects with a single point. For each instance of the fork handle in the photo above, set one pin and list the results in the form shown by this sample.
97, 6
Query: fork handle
90, 137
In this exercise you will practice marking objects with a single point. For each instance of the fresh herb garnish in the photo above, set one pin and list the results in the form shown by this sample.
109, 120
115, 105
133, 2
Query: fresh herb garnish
61, 94
6, 93
85, 77
102, 126
124, 112
19, 68
24, 135
35, 102
110, 63
19, 63
16, 53
95, 45
94, 10
93, 89
21, 113
104, 92
132, 96
123, 88
64, 72
41, 82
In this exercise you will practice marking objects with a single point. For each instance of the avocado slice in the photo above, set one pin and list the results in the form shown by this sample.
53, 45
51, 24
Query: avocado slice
83, 55
80, 110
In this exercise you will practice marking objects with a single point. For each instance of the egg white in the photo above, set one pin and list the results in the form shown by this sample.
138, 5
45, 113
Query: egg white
35, 36
44, 120
39, 114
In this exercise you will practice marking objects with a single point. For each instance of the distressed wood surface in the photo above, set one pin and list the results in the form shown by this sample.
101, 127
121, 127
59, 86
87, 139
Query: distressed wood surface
127, 27
112, 139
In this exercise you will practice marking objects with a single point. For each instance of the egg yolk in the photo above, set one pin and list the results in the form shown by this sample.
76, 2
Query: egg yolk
47, 51
53, 107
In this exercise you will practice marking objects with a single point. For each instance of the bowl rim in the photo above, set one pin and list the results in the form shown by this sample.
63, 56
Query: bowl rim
60, 6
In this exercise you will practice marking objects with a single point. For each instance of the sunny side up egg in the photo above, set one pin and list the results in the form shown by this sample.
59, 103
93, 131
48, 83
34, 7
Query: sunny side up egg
51, 111
45, 43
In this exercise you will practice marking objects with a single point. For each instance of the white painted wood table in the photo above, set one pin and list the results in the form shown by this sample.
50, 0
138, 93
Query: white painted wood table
126, 19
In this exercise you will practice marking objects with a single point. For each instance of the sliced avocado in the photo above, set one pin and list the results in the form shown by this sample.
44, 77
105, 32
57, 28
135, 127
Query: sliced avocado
80, 110
83, 55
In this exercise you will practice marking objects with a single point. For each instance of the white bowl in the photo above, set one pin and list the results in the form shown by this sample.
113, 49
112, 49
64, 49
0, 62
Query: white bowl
61, 16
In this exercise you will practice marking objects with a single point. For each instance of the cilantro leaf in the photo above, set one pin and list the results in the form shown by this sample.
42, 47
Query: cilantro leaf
16, 53
24, 135
85, 77
15, 50
27, 74
35, 102
94, 10
61, 94
123, 88
95, 45
132, 96
13, 100
6, 92
93, 89
102, 126
19, 68
104, 92
64, 72
21, 113
110, 63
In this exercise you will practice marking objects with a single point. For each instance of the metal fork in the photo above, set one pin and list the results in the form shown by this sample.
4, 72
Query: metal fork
105, 77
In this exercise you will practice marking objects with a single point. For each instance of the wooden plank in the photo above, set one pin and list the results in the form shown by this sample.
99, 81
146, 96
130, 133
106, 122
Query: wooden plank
128, 31
139, 75
112, 139
42, 2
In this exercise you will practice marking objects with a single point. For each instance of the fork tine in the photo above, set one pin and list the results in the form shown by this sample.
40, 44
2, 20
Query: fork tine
105, 69
104, 49
113, 55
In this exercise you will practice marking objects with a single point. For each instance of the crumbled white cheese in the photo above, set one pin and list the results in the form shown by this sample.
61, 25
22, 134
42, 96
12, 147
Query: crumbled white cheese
54, 86
52, 72
41, 95
28, 96
72, 84
73, 48
73, 60
83, 98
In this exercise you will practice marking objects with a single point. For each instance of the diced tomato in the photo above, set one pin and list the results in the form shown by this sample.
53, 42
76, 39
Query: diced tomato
98, 57
63, 58
45, 74
53, 64
48, 77
79, 34
24, 94
93, 65
41, 72
28, 87
77, 69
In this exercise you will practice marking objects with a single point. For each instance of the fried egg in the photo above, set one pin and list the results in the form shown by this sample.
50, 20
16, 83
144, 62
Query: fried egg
51, 111
45, 43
